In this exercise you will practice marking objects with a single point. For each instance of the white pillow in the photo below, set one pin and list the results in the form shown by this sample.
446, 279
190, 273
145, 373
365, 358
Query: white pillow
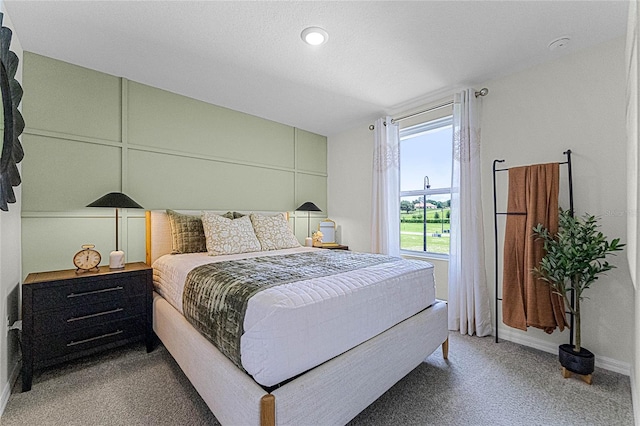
273, 232
228, 236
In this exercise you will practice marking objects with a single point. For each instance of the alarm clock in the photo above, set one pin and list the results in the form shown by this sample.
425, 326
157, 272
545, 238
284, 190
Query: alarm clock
87, 259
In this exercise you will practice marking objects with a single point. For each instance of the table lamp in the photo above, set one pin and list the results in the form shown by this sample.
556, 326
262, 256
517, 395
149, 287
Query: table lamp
116, 200
308, 207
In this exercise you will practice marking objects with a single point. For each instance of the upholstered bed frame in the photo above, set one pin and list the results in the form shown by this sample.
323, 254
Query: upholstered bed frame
332, 393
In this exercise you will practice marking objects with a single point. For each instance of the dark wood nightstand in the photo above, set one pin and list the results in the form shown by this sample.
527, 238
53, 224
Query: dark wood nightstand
66, 315
338, 247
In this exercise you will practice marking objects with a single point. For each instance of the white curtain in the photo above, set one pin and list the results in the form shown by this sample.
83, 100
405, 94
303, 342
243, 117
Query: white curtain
469, 309
385, 218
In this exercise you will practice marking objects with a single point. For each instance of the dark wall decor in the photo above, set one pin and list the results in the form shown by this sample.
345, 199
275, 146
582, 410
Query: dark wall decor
11, 152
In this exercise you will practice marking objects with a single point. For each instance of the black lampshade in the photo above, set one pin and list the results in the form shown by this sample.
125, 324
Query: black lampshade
308, 207
117, 200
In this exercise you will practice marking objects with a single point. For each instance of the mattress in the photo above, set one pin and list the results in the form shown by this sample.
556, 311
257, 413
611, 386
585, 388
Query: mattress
291, 328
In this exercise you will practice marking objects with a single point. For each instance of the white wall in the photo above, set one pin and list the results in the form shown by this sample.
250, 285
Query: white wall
349, 183
9, 267
575, 102
633, 188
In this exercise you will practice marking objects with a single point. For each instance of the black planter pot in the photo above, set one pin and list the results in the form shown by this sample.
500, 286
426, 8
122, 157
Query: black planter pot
582, 362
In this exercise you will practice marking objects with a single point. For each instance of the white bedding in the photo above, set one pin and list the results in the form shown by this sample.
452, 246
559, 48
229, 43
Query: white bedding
294, 327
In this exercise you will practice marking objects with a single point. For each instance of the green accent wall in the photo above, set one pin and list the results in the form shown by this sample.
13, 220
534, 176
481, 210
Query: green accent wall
90, 133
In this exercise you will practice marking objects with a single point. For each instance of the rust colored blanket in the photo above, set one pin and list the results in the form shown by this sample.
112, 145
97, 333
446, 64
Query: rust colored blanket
527, 300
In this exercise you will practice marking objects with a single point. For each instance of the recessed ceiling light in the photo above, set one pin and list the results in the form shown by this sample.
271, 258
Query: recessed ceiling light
559, 43
314, 36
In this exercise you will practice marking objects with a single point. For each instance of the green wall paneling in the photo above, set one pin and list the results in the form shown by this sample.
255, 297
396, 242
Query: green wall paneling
49, 242
65, 98
311, 152
159, 181
310, 188
136, 242
60, 174
89, 133
307, 186
161, 119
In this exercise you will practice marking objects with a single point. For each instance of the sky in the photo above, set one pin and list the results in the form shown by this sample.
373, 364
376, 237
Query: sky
428, 153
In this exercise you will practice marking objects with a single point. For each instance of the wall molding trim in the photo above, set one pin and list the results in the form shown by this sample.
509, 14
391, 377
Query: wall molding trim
71, 137
81, 214
144, 148
635, 403
185, 154
131, 214
550, 347
6, 391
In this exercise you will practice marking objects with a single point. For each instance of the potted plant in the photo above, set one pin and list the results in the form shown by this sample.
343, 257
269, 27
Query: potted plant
574, 259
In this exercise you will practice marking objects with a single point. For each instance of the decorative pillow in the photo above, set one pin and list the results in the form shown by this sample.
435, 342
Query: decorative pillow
228, 236
187, 233
273, 232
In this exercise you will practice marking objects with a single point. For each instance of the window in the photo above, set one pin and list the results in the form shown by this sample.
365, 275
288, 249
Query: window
425, 187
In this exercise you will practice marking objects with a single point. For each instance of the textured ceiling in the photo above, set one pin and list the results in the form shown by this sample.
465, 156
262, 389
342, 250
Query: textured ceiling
381, 57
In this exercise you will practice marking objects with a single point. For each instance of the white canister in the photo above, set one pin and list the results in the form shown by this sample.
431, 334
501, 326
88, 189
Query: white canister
116, 259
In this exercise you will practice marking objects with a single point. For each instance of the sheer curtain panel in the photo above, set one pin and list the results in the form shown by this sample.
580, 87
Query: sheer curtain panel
469, 310
385, 211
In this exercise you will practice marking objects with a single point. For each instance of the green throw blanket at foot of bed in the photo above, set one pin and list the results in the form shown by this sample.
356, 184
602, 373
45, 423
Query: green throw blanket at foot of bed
216, 295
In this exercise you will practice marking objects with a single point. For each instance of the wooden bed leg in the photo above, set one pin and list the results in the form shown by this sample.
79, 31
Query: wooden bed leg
268, 410
445, 349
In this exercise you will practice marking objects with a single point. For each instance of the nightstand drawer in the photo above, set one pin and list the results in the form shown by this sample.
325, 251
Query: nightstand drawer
66, 315
88, 315
86, 292
49, 347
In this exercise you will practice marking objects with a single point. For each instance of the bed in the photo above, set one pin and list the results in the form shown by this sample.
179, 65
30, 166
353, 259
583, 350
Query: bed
358, 338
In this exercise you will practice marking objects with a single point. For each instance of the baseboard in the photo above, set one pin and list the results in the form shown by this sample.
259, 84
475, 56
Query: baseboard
601, 361
634, 398
6, 391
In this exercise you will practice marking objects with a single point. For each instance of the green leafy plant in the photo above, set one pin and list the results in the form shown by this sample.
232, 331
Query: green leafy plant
574, 258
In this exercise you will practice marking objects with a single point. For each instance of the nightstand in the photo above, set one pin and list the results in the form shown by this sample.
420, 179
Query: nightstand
338, 247
67, 315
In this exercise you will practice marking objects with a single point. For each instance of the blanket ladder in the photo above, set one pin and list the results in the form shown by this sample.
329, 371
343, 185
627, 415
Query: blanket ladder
496, 214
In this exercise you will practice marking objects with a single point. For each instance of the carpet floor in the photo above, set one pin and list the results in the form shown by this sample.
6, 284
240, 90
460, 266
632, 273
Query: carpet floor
482, 383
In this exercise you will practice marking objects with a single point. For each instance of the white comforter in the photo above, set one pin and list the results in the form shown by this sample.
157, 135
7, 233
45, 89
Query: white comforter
294, 327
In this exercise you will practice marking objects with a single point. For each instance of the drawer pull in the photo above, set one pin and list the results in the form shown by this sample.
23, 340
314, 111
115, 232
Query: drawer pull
79, 342
113, 311
86, 293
